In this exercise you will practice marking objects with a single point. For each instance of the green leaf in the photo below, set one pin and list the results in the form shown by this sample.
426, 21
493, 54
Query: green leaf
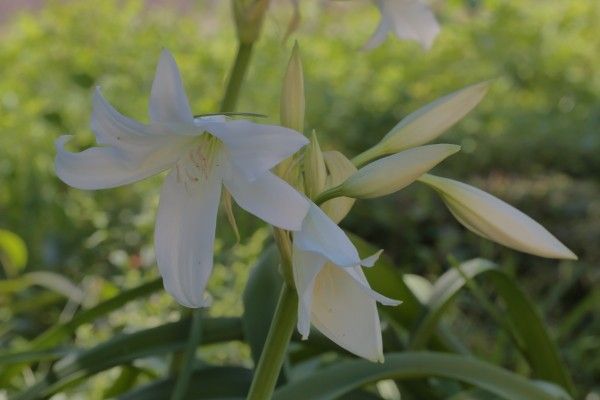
34, 356
344, 377
58, 332
206, 383
260, 300
13, 252
538, 348
125, 348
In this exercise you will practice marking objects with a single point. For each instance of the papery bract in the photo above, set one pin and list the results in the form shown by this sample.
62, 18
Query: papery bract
203, 154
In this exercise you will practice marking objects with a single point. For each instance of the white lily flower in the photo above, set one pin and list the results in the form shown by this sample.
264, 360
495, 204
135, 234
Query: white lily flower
333, 292
496, 220
407, 19
203, 154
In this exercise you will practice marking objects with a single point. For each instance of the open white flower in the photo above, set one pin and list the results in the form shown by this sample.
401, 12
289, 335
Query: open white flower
407, 19
333, 292
203, 154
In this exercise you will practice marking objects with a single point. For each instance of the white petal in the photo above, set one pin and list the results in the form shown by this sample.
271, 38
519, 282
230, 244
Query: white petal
392, 173
430, 121
361, 280
185, 233
321, 235
344, 313
381, 33
306, 266
496, 220
106, 167
112, 128
168, 101
412, 20
270, 198
371, 260
256, 148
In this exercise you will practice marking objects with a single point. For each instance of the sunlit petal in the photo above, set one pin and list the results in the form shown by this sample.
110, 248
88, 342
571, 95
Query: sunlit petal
185, 232
496, 220
270, 198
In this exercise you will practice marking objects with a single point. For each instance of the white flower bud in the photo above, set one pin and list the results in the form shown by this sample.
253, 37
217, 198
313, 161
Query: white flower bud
496, 220
392, 173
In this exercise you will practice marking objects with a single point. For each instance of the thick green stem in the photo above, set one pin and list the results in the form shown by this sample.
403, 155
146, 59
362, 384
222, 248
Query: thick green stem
236, 76
274, 351
187, 362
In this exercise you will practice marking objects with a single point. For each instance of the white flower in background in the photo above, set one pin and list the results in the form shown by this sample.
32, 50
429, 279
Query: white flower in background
203, 154
407, 19
496, 220
333, 292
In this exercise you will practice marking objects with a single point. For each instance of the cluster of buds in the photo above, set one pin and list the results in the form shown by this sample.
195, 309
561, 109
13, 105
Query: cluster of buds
334, 295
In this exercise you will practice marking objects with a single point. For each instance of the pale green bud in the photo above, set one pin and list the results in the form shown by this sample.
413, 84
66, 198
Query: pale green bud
292, 93
249, 16
339, 169
427, 123
496, 220
315, 173
392, 173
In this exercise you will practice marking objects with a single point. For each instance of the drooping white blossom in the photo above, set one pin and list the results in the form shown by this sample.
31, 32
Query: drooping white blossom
334, 294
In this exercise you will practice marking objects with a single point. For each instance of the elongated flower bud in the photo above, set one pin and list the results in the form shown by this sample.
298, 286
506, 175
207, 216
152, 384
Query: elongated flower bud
339, 168
427, 123
292, 94
392, 173
314, 168
496, 220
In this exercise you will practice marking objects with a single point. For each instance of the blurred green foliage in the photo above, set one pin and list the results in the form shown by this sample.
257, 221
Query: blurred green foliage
534, 141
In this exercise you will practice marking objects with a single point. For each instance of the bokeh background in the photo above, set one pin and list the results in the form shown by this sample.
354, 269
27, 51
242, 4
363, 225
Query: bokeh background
534, 141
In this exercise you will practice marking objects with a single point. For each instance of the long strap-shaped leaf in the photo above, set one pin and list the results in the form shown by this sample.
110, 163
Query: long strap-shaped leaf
538, 348
206, 383
329, 383
57, 332
128, 347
